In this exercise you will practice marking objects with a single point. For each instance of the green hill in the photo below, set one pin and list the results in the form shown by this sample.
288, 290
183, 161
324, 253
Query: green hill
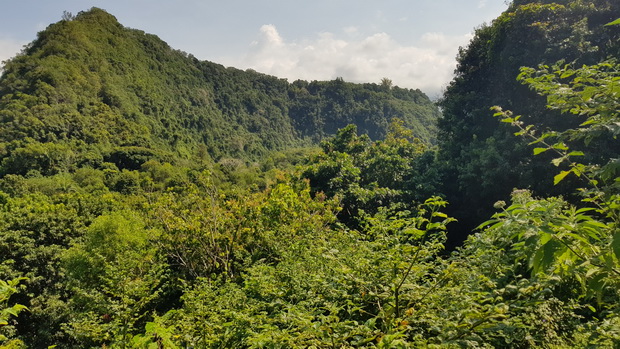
89, 91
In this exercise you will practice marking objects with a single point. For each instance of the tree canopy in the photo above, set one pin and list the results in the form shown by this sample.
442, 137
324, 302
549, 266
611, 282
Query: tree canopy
89, 91
121, 227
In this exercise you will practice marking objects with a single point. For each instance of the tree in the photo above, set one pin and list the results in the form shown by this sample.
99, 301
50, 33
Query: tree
115, 278
560, 240
480, 161
591, 92
366, 175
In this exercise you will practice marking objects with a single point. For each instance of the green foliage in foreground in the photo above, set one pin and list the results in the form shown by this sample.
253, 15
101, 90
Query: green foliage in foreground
176, 260
8, 288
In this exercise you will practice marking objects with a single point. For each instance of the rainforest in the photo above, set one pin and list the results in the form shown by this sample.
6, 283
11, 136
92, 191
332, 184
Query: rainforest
149, 199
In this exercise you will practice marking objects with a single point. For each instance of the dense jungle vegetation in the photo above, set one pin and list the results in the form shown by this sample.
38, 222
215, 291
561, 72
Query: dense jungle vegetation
152, 200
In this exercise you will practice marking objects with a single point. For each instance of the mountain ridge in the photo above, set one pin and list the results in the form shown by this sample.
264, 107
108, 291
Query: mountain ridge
95, 87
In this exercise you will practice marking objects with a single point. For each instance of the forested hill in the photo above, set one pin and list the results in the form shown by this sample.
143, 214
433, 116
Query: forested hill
88, 89
117, 230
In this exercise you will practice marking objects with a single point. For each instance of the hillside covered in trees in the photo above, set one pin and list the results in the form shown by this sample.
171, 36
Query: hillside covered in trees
152, 200
90, 90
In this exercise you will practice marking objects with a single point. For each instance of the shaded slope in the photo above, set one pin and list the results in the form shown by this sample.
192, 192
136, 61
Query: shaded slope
482, 159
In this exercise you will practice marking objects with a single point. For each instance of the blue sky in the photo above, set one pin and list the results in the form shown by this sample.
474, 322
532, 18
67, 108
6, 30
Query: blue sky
412, 42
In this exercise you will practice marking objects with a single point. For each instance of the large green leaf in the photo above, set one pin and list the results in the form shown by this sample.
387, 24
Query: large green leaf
560, 176
616, 22
546, 255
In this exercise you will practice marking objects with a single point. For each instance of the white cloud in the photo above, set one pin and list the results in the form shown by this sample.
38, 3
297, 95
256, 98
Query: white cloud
9, 48
352, 30
270, 36
427, 66
482, 3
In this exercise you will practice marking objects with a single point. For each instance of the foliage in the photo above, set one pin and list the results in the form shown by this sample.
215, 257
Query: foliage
8, 288
479, 160
115, 278
576, 243
319, 109
367, 175
89, 91
139, 230
337, 289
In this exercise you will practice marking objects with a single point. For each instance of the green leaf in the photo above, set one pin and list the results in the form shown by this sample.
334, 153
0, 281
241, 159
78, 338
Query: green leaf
560, 146
567, 74
578, 237
585, 209
557, 161
540, 150
545, 237
545, 256
490, 224
616, 22
560, 176
547, 229
596, 284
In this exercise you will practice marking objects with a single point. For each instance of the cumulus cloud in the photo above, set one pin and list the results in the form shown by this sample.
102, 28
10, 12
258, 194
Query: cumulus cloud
427, 66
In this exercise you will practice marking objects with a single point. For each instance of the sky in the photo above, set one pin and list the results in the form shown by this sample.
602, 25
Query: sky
412, 42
